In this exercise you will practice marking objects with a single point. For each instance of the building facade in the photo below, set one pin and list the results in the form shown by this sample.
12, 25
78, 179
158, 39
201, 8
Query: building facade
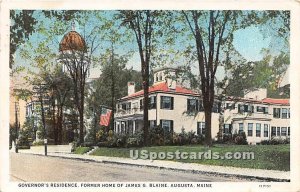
175, 107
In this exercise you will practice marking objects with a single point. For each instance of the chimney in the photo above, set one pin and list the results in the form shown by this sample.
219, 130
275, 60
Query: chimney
131, 88
171, 83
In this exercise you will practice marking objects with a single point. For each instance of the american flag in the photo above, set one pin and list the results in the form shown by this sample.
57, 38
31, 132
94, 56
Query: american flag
105, 116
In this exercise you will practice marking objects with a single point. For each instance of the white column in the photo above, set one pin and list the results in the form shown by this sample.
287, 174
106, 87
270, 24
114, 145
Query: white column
133, 126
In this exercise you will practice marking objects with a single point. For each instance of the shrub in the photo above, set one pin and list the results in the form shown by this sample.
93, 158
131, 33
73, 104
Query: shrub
187, 138
37, 143
157, 136
136, 140
227, 138
276, 141
240, 138
88, 144
265, 142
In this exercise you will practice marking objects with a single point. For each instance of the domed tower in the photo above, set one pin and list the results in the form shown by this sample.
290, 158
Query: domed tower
72, 42
72, 48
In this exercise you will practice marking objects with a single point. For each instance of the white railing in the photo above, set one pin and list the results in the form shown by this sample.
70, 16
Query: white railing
122, 112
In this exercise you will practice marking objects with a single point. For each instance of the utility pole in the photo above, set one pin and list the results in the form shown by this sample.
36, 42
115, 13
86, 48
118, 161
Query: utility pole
39, 89
17, 126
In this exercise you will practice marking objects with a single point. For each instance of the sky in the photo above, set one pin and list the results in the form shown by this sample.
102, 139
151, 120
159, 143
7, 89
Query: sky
249, 42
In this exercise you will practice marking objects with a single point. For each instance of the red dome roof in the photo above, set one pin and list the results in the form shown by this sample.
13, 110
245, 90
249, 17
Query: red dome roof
72, 41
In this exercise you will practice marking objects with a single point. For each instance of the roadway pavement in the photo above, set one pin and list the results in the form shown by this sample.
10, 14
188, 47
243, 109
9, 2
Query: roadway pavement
38, 168
238, 173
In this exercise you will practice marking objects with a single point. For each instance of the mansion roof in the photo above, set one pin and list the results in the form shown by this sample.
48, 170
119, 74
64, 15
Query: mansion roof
163, 87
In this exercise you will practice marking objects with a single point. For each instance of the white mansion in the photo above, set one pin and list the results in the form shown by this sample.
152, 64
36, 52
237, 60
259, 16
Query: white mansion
174, 107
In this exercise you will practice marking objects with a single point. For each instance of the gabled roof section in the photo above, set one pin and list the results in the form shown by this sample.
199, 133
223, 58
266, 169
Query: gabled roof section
163, 87
276, 101
270, 101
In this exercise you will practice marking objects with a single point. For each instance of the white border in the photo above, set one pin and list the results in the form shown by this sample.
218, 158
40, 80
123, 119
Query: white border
294, 6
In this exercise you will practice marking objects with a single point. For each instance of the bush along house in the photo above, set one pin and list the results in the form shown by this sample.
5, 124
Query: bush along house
175, 107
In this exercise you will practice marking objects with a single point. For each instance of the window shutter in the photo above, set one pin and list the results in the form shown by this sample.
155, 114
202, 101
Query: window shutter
188, 104
154, 105
171, 128
161, 101
172, 103
160, 123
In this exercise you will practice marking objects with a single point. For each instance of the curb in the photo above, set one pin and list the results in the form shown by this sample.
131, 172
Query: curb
265, 179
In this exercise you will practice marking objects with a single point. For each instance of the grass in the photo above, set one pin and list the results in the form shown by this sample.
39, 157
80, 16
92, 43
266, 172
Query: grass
272, 157
82, 150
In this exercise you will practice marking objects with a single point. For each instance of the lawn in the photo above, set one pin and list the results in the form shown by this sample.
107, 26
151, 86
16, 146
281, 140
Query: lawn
82, 150
275, 157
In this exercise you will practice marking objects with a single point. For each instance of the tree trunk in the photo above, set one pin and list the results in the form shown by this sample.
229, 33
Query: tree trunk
208, 140
59, 124
81, 113
54, 125
146, 101
112, 89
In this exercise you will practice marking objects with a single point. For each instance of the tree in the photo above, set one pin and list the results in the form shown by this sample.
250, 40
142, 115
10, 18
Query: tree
59, 88
77, 62
210, 40
112, 84
23, 23
142, 23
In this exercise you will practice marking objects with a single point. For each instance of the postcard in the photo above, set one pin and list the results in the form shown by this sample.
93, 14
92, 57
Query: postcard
142, 96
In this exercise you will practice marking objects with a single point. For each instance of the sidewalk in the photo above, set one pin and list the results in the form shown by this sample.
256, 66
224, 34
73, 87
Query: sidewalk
269, 175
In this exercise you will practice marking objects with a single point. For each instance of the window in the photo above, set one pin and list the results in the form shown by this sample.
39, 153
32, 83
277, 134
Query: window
123, 125
283, 131
250, 129
278, 131
245, 108
167, 125
266, 110
200, 128
288, 131
241, 127
227, 128
258, 128
129, 127
135, 105
284, 114
241, 108
192, 105
124, 106
266, 130
216, 107
262, 109
141, 104
273, 131
128, 106
251, 109
276, 112
152, 102
230, 106
166, 102
118, 128
152, 124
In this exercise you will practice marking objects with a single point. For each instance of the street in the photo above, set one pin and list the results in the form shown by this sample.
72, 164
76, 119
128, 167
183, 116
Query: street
34, 168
